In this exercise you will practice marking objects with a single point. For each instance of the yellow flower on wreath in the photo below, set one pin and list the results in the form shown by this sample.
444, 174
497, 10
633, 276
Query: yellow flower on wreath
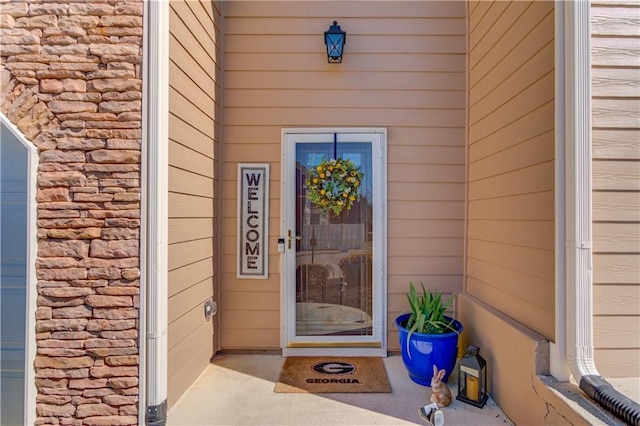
334, 185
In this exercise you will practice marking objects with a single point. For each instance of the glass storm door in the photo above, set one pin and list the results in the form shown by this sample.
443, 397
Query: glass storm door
333, 262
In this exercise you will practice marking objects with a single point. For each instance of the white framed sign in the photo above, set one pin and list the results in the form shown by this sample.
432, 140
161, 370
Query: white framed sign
253, 220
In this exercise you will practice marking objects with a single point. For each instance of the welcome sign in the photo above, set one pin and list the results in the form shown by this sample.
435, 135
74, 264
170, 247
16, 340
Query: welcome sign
253, 220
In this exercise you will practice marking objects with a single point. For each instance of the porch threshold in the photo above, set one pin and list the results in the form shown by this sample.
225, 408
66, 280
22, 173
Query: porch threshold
237, 389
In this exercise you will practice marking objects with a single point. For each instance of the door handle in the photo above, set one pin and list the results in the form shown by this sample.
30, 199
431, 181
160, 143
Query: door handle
292, 237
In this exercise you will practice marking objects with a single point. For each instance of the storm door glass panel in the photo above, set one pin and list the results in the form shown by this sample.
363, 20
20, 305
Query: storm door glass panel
334, 292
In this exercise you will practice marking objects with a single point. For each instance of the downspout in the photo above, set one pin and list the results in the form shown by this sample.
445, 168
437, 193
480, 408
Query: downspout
579, 246
154, 238
578, 221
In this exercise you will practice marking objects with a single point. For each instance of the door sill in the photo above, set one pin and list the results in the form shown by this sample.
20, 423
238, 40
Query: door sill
334, 345
335, 351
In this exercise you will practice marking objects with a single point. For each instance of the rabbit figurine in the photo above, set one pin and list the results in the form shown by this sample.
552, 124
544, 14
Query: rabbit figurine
441, 394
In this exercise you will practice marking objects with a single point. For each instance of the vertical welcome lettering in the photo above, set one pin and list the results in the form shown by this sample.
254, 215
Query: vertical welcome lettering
253, 180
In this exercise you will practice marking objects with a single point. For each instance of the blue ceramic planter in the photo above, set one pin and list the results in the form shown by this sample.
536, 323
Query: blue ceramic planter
425, 350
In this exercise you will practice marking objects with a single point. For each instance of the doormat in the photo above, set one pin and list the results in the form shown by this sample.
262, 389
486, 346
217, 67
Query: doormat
333, 375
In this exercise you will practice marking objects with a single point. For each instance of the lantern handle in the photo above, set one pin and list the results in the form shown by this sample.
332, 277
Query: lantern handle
472, 349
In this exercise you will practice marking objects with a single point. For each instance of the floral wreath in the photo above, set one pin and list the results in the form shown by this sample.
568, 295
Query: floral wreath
334, 185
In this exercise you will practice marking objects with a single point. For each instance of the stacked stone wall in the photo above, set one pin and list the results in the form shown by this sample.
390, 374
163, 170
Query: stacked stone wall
70, 76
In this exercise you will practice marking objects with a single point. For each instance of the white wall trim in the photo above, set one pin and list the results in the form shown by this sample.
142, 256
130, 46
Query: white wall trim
30, 391
578, 187
154, 207
467, 149
559, 365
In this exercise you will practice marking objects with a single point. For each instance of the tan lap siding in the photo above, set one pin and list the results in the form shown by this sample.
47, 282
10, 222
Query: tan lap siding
193, 156
511, 160
404, 69
616, 186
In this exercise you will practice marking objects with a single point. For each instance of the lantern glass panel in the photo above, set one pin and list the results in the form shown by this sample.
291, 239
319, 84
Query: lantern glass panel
334, 47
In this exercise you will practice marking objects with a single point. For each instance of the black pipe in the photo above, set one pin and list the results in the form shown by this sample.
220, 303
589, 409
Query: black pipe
613, 401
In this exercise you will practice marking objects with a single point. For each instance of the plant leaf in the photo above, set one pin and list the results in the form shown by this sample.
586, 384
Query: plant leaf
428, 311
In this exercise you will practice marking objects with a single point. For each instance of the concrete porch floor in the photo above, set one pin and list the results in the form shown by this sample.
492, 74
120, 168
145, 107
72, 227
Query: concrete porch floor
238, 390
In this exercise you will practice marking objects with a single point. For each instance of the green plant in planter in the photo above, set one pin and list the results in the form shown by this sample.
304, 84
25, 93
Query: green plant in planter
427, 312
427, 336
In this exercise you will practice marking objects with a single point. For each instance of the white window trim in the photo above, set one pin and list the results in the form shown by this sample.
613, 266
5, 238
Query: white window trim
30, 391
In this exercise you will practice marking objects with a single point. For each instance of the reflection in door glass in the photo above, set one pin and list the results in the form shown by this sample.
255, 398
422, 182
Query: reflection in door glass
334, 294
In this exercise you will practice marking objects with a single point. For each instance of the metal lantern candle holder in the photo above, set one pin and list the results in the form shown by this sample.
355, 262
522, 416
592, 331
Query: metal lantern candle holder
335, 39
472, 378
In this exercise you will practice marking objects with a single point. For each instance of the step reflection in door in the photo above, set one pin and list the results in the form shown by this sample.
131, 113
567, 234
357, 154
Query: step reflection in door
334, 293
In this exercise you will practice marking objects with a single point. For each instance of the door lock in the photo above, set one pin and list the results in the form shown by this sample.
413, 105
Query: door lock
291, 237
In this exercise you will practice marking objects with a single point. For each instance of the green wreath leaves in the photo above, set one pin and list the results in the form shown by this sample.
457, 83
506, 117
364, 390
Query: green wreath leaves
334, 185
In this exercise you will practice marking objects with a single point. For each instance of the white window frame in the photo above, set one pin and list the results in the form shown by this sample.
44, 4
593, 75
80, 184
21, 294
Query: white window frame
30, 391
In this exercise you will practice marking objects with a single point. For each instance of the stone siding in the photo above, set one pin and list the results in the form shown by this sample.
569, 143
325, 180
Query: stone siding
70, 76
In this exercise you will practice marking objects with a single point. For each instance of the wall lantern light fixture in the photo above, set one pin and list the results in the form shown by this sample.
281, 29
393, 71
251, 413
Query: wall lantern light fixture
472, 378
335, 39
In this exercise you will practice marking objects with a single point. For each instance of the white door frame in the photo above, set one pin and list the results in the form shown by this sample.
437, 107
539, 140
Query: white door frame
30, 391
375, 345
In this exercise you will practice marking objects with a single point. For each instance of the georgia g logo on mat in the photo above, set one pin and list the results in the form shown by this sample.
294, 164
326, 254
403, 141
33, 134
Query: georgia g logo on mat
333, 367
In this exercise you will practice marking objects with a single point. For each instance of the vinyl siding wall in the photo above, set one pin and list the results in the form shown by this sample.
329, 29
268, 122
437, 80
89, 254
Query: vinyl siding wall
615, 55
404, 69
194, 116
511, 160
